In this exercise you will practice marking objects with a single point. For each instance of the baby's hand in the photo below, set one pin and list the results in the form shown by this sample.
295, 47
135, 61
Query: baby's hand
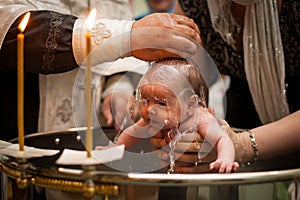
223, 166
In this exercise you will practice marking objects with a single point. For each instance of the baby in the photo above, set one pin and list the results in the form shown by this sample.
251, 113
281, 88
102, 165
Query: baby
174, 97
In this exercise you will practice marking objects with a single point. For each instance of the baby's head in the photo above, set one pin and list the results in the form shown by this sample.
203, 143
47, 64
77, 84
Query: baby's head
169, 89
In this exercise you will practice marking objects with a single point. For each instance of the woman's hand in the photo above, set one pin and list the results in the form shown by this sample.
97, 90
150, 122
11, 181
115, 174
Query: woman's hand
186, 153
171, 36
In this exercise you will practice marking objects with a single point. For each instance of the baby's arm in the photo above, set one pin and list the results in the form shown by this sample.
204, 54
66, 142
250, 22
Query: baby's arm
210, 129
133, 134
226, 155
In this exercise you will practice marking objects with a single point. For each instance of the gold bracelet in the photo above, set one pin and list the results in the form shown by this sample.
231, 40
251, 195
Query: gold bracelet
254, 146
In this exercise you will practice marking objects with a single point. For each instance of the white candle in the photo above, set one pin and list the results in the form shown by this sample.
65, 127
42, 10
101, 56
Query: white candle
89, 133
20, 57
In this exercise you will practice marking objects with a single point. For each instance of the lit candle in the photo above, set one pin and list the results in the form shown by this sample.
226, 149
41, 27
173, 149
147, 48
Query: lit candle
20, 54
88, 92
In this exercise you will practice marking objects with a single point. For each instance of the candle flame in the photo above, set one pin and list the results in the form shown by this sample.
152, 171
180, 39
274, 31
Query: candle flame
24, 22
90, 20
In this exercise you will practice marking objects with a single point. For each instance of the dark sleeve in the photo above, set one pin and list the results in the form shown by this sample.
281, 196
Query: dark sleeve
47, 44
227, 60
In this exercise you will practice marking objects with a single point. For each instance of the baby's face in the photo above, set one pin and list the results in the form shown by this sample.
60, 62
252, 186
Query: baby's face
160, 107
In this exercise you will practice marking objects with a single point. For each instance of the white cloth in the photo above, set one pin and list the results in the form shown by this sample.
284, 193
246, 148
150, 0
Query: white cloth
217, 94
111, 39
59, 87
56, 90
8, 14
264, 60
64, 93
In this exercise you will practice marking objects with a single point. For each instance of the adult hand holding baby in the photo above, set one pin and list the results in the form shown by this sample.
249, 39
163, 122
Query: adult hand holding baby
196, 153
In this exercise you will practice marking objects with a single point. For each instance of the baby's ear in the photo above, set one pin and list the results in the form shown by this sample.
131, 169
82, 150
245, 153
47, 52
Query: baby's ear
192, 103
193, 100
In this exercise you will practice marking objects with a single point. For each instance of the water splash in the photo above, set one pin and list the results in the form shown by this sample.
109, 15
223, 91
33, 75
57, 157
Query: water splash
176, 136
127, 121
198, 154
